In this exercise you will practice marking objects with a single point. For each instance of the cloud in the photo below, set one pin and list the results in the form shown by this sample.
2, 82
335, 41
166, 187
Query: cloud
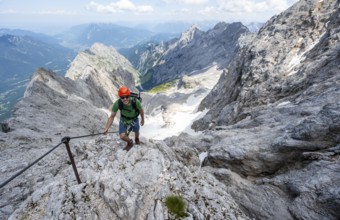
181, 11
184, 10
119, 6
189, 2
208, 10
8, 11
252, 6
54, 12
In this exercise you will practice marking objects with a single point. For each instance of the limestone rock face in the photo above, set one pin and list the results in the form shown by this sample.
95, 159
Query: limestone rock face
293, 57
275, 112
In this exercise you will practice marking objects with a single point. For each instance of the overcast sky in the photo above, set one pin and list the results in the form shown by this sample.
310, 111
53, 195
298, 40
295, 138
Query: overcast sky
41, 13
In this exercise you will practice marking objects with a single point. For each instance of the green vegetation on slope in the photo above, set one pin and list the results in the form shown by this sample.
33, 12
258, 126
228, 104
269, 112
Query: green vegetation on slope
163, 87
176, 205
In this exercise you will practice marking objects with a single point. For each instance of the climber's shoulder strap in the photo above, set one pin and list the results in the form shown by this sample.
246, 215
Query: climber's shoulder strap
120, 104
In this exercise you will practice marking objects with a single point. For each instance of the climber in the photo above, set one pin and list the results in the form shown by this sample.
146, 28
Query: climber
130, 108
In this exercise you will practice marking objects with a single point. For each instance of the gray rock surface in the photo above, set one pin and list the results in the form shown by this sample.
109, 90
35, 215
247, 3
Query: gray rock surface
39, 122
293, 58
275, 112
271, 139
128, 185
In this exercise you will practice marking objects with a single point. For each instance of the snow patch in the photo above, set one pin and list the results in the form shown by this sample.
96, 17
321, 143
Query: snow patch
173, 122
296, 60
177, 118
202, 156
283, 103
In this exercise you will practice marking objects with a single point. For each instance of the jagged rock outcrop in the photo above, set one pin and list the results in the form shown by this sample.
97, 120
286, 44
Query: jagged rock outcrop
193, 51
293, 52
275, 117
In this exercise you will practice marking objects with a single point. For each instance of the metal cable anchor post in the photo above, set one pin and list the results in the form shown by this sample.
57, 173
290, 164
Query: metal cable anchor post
66, 140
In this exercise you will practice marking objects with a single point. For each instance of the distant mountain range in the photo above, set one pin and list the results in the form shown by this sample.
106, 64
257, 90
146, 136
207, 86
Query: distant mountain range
37, 36
81, 37
84, 36
192, 52
179, 27
20, 56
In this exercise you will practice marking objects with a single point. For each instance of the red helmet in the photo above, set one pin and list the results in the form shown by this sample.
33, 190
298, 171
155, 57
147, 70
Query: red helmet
124, 91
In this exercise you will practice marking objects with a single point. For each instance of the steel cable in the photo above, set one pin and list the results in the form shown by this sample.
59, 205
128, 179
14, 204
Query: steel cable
23, 170
37, 160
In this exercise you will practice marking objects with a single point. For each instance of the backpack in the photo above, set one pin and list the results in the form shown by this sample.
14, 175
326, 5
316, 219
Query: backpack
133, 96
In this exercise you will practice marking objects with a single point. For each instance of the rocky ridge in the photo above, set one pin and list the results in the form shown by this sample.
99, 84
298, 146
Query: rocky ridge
54, 107
275, 158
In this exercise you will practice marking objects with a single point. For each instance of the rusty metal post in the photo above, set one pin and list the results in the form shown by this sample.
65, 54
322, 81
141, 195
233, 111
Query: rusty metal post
66, 141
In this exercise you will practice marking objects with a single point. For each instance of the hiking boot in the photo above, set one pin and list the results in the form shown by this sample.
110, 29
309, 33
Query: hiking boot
129, 145
137, 141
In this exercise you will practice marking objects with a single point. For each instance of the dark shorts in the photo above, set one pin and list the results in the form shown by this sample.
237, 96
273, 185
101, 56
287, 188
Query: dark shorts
135, 127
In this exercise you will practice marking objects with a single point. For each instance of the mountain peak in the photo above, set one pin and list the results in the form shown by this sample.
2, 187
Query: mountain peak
103, 59
103, 50
190, 34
